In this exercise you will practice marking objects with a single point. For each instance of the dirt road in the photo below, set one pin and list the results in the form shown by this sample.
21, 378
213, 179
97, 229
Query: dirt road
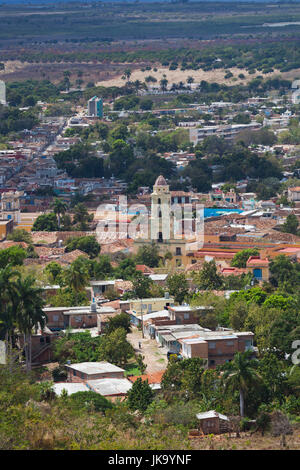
155, 360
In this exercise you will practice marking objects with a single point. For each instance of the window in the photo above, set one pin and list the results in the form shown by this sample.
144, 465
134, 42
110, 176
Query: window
186, 316
55, 317
211, 345
229, 343
178, 251
248, 344
178, 262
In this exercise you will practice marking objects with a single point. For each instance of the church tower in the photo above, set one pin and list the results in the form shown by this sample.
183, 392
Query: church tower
160, 210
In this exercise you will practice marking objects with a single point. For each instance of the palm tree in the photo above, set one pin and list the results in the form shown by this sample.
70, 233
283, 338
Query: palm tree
59, 208
77, 276
8, 297
127, 74
240, 374
137, 85
30, 313
163, 84
81, 216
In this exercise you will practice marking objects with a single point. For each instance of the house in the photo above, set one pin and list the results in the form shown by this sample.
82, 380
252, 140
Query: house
110, 387
216, 347
99, 288
294, 194
41, 342
138, 307
144, 269
159, 279
75, 317
184, 314
169, 335
70, 388
6, 227
154, 379
212, 422
259, 268
85, 371
171, 237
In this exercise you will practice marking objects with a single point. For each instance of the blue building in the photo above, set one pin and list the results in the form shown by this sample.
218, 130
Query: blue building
95, 107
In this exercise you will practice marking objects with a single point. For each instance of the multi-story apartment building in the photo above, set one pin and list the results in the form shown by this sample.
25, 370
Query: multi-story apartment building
95, 107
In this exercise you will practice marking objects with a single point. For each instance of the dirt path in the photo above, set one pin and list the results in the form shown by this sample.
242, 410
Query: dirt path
155, 360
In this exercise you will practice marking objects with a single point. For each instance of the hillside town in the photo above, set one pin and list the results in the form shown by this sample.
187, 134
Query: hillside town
150, 255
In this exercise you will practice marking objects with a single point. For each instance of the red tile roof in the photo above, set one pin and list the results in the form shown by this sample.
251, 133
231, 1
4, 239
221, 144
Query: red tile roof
257, 261
153, 378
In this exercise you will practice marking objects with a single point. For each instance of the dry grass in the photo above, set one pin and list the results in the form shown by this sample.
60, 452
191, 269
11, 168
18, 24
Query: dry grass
111, 74
176, 76
246, 441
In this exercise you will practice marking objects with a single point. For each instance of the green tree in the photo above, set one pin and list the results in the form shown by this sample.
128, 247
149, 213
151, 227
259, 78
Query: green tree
148, 255
273, 375
59, 208
115, 348
14, 255
8, 304
240, 259
54, 272
241, 374
285, 274
178, 287
77, 275
291, 224
86, 244
208, 278
140, 395
76, 347
141, 286
119, 321
20, 235
45, 223
30, 312
81, 216
90, 401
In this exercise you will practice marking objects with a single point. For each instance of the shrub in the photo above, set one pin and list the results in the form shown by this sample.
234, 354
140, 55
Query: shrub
91, 401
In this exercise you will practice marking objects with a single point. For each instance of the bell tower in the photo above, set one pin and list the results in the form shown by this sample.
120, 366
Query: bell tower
160, 210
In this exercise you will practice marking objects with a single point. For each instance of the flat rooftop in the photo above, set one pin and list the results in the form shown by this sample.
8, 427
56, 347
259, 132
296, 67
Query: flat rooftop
70, 388
92, 368
110, 387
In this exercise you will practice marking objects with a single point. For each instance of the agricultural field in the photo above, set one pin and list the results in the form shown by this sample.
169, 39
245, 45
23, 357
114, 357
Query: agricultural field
205, 40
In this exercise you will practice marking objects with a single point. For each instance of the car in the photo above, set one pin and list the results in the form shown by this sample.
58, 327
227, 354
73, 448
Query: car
174, 354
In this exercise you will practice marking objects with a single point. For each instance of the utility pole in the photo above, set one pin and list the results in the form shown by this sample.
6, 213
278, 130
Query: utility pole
142, 319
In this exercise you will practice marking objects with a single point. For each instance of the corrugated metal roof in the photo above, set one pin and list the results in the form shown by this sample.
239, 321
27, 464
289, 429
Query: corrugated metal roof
108, 387
211, 414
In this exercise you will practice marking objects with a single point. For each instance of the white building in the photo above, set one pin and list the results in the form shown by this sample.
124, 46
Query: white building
2, 93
